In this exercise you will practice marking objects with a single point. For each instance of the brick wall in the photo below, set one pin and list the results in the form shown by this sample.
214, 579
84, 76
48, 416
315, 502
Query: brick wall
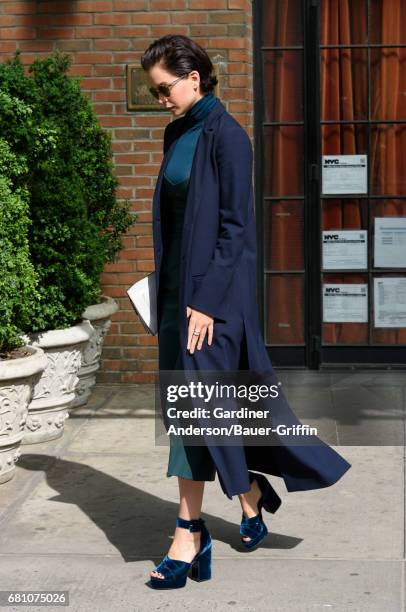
103, 36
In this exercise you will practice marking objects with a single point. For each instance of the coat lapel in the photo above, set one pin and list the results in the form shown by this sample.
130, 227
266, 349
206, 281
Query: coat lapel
196, 179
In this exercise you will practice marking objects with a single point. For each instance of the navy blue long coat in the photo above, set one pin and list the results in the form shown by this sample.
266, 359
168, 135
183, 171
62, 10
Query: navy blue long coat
218, 277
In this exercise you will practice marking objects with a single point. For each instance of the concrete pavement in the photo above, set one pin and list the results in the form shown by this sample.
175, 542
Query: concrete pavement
93, 511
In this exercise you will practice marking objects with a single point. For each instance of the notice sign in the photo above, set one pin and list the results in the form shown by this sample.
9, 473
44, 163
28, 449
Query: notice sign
390, 242
345, 249
344, 174
347, 303
390, 302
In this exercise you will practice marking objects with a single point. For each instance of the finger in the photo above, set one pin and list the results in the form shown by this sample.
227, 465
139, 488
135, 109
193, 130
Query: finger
201, 337
192, 323
195, 338
210, 334
193, 343
190, 331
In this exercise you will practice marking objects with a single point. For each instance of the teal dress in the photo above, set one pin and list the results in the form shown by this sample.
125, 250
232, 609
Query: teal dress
191, 462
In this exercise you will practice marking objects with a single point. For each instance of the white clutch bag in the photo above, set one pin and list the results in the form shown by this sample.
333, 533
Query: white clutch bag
142, 295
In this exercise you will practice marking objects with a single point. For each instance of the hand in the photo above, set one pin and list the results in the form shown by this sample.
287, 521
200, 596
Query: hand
202, 323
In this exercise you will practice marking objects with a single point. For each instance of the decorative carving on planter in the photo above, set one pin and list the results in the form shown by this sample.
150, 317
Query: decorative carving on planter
17, 380
55, 389
99, 316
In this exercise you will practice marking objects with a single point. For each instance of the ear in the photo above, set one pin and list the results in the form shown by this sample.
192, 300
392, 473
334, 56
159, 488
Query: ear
195, 75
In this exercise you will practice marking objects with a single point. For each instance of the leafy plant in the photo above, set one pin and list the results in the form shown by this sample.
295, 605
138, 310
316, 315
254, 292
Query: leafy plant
17, 278
76, 219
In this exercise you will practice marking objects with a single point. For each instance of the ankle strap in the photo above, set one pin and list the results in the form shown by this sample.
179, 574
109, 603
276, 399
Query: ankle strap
192, 525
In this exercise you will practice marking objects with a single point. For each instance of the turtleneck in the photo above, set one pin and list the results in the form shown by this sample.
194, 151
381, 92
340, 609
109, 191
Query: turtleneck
179, 166
200, 109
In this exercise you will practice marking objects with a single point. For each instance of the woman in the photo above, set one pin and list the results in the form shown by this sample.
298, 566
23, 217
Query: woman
205, 261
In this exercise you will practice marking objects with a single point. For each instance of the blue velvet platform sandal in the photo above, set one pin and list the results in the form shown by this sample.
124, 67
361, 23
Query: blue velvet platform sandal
255, 527
175, 571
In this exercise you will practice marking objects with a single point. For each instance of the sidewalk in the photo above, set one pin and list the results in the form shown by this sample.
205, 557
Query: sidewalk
92, 512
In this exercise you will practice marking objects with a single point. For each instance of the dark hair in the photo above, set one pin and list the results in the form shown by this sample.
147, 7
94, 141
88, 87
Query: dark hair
179, 55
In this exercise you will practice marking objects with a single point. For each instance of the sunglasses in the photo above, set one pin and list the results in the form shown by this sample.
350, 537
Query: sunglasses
165, 88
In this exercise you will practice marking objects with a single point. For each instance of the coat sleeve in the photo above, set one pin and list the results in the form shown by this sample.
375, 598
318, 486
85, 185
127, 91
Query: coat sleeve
234, 160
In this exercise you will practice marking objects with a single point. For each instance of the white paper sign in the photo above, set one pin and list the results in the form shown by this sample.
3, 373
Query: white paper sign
346, 303
390, 242
345, 249
344, 174
390, 302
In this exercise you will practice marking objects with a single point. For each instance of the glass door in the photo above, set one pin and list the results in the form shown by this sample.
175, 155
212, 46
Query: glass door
330, 83
279, 163
363, 196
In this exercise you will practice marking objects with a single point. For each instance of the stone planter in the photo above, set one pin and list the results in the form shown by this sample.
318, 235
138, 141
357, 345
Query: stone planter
17, 380
99, 316
56, 388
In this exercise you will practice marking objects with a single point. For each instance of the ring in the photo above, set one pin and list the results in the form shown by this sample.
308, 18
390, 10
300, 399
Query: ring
196, 333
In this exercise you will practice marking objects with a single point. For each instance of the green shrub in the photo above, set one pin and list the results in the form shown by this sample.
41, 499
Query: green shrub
77, 221
17, 278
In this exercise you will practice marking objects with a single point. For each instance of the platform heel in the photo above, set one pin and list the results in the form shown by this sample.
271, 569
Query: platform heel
201, 568
270, 500
254, 527
175, 571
